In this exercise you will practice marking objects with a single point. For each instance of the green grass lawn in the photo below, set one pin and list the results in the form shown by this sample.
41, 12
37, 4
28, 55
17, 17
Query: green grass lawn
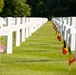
40, 54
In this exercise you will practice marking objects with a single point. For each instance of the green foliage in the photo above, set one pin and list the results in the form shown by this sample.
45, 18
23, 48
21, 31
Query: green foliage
39, 8
71, 7
1, 5
48, 8
16, 8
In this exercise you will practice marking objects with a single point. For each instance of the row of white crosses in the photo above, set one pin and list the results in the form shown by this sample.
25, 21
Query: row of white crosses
68, 26
22, 26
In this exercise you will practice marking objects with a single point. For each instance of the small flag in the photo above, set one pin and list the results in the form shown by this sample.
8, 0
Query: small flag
2, 48
65, 51
57, 32
71, 57
59, 37
54, 26
64, 48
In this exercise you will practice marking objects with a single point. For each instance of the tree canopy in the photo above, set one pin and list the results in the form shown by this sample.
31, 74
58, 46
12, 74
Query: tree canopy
38, 8
1, 5
15, 8
49, 8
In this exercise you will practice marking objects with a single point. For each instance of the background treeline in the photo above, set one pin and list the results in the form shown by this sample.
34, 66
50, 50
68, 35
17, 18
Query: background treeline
38, 8
15, 8
49, 8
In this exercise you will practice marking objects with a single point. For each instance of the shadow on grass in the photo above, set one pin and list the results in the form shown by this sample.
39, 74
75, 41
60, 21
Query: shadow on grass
39, 61
37, 50
51, 50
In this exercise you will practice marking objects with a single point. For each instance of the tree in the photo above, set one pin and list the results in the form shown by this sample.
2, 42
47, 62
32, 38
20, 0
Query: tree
72, 7
33, 4
49, 8
16, 8
1, 5
38, 7
51, 5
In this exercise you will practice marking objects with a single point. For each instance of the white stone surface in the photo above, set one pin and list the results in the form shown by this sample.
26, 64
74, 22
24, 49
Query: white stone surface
27, 26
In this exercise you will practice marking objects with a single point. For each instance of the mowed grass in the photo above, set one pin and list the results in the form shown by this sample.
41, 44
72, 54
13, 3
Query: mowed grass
40, 54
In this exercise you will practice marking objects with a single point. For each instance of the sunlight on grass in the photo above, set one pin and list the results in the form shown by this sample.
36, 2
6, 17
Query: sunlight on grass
40, 54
